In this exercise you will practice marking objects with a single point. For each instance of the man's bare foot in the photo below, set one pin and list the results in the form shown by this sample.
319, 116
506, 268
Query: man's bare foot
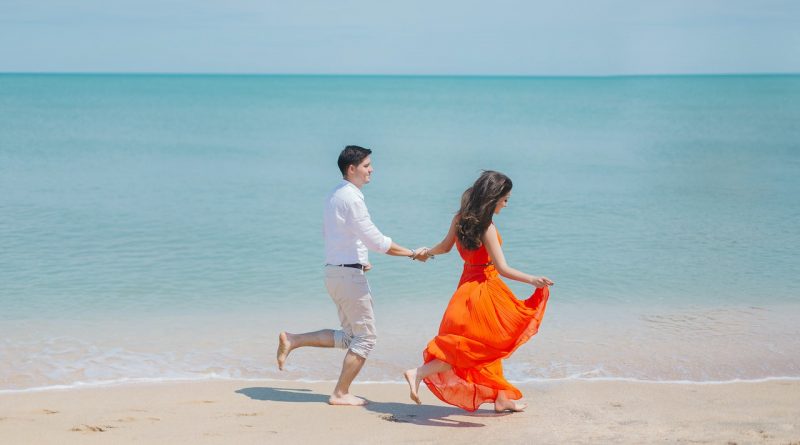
509, 405
347, 400
284, 348
413, 384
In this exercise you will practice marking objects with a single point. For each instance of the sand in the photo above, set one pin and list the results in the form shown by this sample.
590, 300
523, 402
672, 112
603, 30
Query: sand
243, 412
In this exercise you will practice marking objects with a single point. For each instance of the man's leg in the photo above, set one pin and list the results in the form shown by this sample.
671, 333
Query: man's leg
358, 319
350, 368
325, 338
288, 342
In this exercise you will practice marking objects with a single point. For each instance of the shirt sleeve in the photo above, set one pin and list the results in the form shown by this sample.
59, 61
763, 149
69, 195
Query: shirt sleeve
362, 226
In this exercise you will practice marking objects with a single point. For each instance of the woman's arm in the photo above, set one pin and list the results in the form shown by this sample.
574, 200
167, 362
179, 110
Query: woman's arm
496, 254
448, 241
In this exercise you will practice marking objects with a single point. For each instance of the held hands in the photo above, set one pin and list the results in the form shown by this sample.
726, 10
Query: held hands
541, 282
421, 254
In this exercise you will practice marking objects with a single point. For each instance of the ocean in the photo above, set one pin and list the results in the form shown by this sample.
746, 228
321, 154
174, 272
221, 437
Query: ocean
159, 227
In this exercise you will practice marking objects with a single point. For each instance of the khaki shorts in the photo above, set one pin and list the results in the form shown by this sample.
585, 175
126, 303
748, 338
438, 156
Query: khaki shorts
349, 290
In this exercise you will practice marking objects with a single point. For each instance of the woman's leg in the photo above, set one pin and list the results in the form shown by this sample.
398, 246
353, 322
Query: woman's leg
503, 403
416, 375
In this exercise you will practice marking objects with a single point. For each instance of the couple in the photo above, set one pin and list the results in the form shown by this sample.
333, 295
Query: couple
483, 323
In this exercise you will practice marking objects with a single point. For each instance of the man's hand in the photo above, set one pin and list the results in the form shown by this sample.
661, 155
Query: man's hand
421, 254
367, 267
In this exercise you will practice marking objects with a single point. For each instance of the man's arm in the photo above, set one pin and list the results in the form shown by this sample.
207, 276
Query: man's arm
364, 229
398, 250
369, 234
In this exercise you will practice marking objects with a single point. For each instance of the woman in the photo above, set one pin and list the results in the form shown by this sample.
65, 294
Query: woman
484, 322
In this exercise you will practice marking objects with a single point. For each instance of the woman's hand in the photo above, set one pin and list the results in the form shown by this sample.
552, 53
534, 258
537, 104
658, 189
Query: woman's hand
541, 282
367, 267
422, 254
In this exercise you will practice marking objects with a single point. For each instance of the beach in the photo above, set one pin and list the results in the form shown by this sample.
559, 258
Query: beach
241, 412
175, 207
157, 232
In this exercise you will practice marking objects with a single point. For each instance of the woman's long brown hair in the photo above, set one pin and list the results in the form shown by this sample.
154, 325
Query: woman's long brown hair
477, 207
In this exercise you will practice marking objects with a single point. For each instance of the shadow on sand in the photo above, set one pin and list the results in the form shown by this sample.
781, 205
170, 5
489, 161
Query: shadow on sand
427, 415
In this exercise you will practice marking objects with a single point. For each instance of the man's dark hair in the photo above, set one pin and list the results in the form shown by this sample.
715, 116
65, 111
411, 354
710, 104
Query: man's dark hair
352, 155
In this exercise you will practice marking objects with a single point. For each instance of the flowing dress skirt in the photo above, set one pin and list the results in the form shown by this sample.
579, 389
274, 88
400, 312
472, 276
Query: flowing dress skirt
483, 324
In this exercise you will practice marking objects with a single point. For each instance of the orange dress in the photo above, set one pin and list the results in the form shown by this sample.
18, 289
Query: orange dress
483, 324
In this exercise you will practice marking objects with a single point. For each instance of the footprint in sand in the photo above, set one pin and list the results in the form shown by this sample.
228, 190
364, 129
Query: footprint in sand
392, 418
92, 428
134, 419
48, 411
631, 422
582, 414
764, 434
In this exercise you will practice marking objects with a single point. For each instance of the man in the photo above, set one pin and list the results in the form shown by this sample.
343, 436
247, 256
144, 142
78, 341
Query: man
348, 232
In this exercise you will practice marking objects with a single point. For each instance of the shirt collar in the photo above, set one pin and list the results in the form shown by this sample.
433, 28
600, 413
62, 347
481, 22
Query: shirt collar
346, 183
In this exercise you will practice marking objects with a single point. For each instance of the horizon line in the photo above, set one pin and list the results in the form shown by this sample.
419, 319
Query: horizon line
517, 76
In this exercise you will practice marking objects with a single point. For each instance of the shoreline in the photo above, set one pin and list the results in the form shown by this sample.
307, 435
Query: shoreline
247, 411
677, 346
542, 381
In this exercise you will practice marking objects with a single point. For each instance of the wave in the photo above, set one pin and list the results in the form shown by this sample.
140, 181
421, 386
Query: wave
537, 380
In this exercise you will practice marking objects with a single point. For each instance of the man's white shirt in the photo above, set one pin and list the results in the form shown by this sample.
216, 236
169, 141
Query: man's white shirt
347, 228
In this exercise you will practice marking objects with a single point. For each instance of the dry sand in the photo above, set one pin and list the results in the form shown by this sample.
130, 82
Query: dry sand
243, 412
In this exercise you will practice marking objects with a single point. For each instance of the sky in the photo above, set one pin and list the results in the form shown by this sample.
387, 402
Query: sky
410, 37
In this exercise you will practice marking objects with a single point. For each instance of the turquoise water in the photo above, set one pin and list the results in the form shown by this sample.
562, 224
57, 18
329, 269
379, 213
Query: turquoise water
136, 207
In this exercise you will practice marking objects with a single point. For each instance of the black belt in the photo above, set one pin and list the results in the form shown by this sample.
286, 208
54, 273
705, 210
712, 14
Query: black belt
354, 265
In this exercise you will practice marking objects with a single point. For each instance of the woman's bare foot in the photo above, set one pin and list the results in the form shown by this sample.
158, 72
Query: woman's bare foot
284, 348
509, 405
346, 400
413, 384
